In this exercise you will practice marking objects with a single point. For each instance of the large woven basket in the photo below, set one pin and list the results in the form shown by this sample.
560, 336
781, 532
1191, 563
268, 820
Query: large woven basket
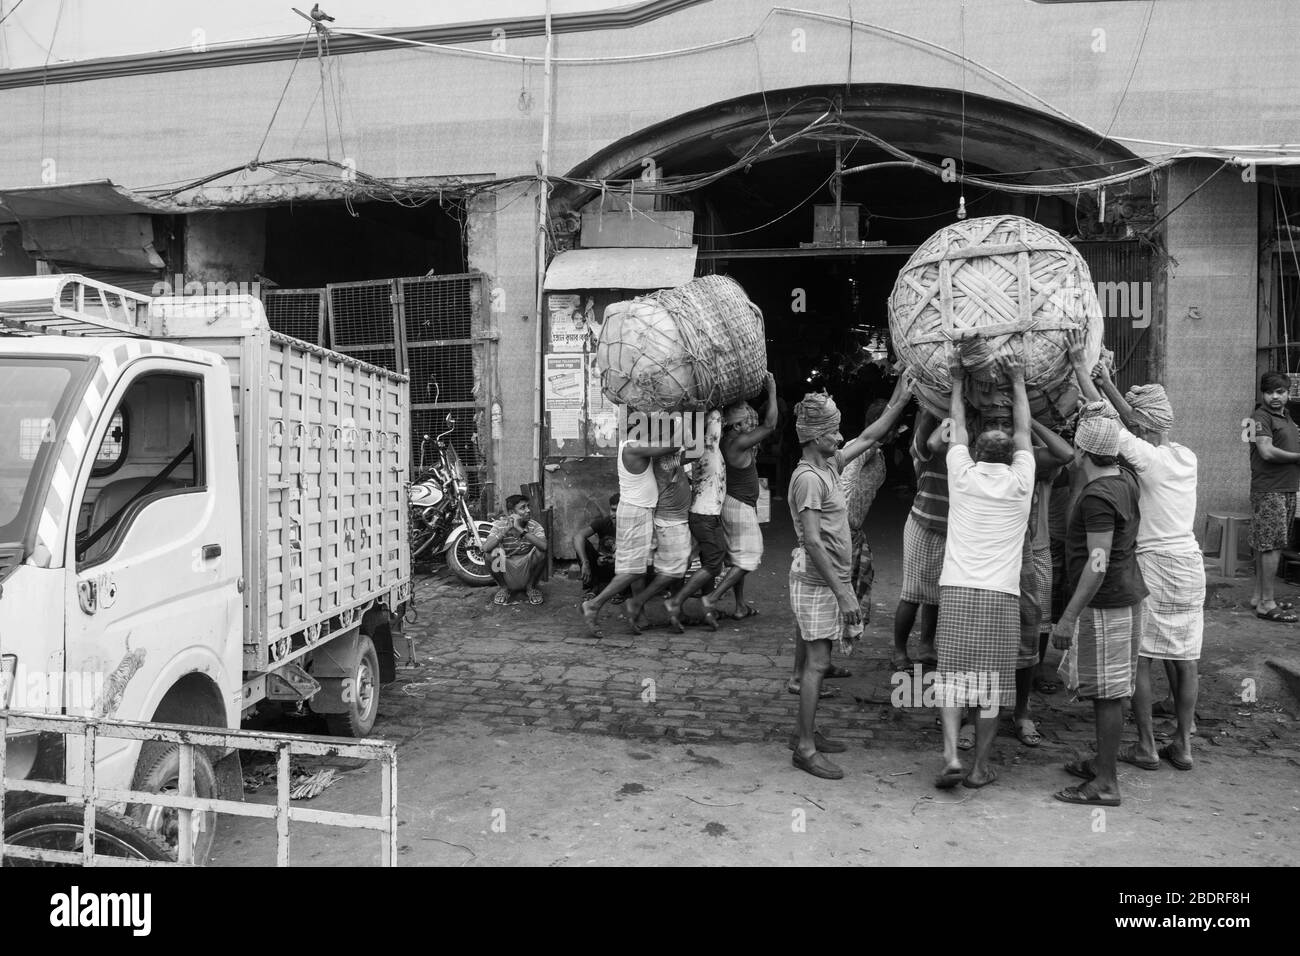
990, 282
696, 347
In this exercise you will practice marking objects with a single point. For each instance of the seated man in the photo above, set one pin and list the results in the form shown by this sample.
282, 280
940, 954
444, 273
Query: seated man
597, 560
516, 551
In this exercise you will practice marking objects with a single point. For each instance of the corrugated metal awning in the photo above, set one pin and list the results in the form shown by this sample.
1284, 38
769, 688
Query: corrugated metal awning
99, 198
621, 268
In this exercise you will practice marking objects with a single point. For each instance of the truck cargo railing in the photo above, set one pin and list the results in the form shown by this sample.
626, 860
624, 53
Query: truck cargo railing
285, 746
71, 305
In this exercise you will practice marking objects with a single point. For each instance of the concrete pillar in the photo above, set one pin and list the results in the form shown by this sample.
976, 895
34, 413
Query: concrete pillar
1210, 336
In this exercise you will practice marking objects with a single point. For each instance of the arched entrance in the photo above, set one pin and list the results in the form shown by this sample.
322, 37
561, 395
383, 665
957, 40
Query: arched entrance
754, 170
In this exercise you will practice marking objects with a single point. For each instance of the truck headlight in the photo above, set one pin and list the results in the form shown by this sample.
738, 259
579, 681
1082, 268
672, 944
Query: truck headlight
8, 668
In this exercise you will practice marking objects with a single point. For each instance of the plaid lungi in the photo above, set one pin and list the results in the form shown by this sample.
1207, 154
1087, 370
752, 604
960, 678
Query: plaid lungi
816, 612
977, 636
1102, 662
633, 532
1043, 585
1030, 612
922, 563
863, 573
744, 537
1173, 612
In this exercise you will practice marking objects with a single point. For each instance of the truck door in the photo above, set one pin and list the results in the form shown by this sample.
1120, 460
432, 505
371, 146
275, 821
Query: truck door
154, 604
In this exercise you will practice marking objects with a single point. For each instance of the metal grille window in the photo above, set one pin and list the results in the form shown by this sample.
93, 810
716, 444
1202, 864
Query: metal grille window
433, 329
297, 312
1121, 272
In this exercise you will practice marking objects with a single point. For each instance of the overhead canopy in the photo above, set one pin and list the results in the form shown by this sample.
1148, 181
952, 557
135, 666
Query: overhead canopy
621, 268
99, 198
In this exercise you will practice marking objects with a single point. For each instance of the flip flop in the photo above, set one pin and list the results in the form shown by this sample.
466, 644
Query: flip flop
1284, 605
792, 688
966, 781
674, 620
903, 663
817, 765
591, 619
950, 777
534, 596
1129, 755
501, 598
1076, 795
824, 745
835, 673
1080, 768
1030, 737
966, 737
1277, 616
1180, 763
1045, 685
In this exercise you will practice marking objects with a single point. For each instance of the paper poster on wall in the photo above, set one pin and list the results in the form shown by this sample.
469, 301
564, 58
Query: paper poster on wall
602, 415
564, 380
568, 320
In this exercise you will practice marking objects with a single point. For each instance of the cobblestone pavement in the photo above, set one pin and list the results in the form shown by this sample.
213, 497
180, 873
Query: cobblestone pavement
524, 666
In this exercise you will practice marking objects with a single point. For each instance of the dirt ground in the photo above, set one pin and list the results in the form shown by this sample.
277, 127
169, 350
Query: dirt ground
521, 741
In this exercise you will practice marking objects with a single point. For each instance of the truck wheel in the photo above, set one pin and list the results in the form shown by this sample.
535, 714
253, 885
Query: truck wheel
159, 771
362, 697
57, 826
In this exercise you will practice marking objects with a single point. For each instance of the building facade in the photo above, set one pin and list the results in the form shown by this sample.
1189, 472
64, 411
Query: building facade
390, 194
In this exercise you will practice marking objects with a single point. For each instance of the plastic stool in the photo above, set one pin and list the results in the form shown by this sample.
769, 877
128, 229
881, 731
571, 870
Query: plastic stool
1230, 535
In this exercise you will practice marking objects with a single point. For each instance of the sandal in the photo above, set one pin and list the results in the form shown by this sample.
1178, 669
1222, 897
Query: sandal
1167, 753
792, 687
966, 737
1278, 616
950, 777
817, 765
1129, 755
824, 745
1046, 685
1076, 795
835, 673
502, 597
971, 785
1081, 769
534, 596
1030, 737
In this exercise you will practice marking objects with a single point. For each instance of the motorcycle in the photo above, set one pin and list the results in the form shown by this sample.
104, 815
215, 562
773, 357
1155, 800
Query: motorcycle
439, 515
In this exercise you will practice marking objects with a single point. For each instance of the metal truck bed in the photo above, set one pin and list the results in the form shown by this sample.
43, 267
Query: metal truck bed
322, 440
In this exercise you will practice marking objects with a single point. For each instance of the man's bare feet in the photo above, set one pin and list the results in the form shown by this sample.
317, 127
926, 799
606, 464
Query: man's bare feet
900, 662
925, 653
591, 617
632, 611
674, 612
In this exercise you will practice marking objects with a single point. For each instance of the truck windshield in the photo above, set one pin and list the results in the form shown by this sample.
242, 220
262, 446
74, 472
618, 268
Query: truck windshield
38, 397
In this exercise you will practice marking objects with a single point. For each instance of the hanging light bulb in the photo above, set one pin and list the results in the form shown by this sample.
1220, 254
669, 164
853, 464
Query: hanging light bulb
961, 207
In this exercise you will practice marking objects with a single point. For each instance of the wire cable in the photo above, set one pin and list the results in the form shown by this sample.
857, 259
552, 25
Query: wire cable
276, 112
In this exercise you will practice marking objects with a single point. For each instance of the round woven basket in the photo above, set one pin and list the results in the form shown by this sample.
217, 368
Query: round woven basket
699, 346
990, 283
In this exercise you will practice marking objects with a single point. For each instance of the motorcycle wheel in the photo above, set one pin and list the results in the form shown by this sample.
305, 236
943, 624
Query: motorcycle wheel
468, 563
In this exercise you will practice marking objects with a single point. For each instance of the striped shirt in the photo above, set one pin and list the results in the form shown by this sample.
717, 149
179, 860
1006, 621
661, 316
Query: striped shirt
930, 506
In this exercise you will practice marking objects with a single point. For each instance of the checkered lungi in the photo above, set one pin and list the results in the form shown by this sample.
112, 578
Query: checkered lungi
977, 636
922, 563
670, 550
743, 535
1043, 585
1102, 662
1030, 612
863, 573
816, 612
633, 532
1173, 612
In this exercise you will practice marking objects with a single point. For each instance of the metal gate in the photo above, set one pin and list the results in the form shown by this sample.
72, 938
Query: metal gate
297, 312
433, 328
1121, 272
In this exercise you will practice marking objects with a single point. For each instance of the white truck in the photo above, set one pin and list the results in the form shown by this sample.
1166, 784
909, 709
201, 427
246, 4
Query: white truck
197, 515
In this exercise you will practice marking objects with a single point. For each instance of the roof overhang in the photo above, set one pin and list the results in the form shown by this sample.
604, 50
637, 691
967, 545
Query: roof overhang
613, 268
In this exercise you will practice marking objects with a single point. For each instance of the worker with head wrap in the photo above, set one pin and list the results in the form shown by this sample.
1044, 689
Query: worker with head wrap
821, 590
742, 434
1172, 567
1101, 626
